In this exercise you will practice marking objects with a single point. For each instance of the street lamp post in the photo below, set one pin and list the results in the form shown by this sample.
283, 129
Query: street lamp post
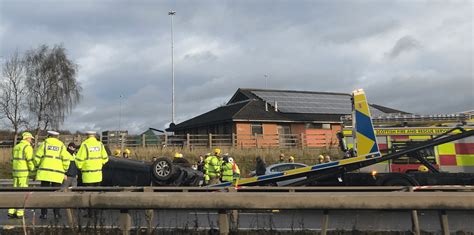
172, 13
266, 81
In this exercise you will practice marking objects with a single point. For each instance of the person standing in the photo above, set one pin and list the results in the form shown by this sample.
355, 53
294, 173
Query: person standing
200, 164
261, 167
90, 159
282, 158
52, 161
213, 169
291, 159
126, 153
71, 173
327, 158
207, 161
235, 169
22, 166
320, 159
227, 172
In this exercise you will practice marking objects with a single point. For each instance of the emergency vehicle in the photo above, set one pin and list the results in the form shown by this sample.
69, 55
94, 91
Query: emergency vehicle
440, 146
454, 157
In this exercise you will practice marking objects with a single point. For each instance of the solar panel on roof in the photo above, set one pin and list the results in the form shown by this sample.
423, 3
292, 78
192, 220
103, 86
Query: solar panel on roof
294, 102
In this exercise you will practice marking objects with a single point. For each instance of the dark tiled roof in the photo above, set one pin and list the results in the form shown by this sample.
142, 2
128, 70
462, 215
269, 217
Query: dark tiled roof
217, 115
245, 105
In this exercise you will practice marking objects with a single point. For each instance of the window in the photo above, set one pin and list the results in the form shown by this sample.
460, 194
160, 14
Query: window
325, 126
286, 167
257, 129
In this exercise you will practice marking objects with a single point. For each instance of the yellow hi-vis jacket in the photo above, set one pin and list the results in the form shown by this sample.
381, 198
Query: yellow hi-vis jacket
52, 160
89, 160
227, 172
22, 160
213, 167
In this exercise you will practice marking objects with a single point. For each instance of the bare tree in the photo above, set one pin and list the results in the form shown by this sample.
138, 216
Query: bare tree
12, 92
52, 86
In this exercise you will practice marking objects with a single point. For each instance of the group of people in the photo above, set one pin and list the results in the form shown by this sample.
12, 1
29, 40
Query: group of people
125, 154
218, 168
291, 159
55, 165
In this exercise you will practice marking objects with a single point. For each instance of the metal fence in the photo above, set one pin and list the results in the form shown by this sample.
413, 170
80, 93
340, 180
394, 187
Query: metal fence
228, 200
192, 141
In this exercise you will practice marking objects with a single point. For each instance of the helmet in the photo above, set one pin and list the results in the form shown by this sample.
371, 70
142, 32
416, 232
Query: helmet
217, 151
292, 158
321, 157
127, 151
423, 168
26, 135
178, 155
231, 160
117, 152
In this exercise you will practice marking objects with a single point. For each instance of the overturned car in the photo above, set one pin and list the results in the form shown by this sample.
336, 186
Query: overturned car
161, 172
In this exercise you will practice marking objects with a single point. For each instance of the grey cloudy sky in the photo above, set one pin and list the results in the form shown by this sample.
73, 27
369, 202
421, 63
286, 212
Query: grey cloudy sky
412, 55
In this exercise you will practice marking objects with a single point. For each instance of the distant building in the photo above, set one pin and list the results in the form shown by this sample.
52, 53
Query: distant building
282, 113
113, 137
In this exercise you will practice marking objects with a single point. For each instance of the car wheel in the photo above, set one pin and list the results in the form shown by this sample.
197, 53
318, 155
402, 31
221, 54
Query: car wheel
162, 169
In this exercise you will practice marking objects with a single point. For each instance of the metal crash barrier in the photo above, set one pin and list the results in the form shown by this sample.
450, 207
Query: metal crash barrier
227, 200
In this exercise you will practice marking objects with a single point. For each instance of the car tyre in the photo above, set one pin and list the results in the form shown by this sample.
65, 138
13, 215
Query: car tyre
162, 169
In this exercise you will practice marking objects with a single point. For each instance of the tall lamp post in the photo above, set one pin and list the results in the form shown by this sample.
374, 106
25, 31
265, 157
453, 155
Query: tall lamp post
266, 81
172, 13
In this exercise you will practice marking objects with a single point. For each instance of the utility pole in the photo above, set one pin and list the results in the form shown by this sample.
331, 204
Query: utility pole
266, 81
172, 13
120, 113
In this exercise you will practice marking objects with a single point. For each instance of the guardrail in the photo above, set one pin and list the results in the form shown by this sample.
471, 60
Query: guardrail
226, 200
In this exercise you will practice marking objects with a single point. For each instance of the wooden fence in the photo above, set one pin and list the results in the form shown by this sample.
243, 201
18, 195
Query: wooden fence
204, 141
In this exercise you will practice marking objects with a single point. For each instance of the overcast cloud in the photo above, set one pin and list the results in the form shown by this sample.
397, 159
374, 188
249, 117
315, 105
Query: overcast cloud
416, 56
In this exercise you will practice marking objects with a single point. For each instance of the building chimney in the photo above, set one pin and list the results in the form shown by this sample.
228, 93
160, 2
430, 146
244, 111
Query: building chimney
276, 106
266, 106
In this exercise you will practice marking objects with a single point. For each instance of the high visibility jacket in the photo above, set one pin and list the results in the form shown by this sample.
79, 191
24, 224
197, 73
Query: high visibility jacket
22, 160
214, 167
52, 160
236, 171
206, 165
89, 160
227, 172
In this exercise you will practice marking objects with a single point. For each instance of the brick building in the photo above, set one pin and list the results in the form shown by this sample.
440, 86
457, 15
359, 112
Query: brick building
276, 117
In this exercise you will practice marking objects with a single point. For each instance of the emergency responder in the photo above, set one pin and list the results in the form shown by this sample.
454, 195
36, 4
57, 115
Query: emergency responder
22, 165
72, 171
52, 161
207, 159
90, 158
126, 153
423, 168
180, 160
226, 170
214, 167
117, 153
291, 159
235, 169
320, 159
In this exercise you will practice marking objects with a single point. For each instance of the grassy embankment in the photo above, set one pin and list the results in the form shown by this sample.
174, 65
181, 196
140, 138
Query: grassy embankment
245, 158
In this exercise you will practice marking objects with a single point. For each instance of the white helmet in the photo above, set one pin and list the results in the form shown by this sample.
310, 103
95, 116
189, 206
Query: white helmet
231, 160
